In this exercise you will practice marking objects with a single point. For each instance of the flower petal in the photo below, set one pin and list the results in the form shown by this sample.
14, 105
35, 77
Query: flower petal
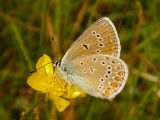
73, 92
40, 80
35, 82
60, 103
46, 62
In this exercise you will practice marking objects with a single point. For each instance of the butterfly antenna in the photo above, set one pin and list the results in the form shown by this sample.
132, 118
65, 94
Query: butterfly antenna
49, 62
41, 67
56, 47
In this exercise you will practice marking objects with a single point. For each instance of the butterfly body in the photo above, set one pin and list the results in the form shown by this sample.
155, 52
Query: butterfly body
92, 62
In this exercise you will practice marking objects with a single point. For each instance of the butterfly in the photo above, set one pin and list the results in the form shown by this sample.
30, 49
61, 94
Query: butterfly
92, 62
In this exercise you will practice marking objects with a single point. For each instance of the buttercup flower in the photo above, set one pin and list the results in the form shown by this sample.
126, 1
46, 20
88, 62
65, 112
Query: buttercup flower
46, 80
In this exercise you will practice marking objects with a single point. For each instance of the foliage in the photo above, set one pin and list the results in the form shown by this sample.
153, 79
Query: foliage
26, 29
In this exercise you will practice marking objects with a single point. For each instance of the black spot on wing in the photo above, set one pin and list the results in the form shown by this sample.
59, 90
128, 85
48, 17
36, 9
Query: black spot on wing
86, 47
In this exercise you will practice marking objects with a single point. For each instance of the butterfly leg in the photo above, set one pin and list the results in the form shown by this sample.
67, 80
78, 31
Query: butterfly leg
58, 82
70, 92
69, 83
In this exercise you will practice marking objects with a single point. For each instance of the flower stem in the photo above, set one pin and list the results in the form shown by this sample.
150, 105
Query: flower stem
31, 109
87, 108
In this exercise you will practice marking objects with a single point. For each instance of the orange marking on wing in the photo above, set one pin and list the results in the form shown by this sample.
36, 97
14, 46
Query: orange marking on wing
117, 79
111, 48
114, 61
109, 89
106, 92
119, 67
120, 73
108, 36
109, 41
114, 85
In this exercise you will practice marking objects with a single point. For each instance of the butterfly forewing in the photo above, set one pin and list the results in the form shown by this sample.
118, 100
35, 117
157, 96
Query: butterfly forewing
99, 75
100, 38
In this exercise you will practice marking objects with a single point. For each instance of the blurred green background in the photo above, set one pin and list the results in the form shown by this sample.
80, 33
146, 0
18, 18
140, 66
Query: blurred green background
26, 27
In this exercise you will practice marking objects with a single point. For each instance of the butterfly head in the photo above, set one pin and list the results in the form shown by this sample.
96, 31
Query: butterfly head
58, 63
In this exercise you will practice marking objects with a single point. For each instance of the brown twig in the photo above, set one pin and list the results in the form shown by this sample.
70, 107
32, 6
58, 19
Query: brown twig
78, 22
19, 22
51, 33
137, 36
69, 114
124, 12
28, 112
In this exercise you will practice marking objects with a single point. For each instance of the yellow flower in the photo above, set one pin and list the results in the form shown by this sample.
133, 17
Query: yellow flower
46, 80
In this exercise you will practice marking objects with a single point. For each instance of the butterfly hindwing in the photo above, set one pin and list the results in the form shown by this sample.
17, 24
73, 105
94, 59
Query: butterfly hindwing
99, 75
